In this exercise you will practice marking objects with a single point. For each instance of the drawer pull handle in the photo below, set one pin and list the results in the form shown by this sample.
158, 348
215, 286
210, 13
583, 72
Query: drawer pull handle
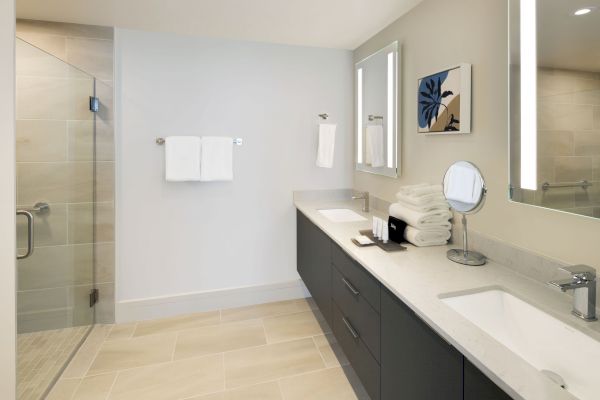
350, 328
350, 287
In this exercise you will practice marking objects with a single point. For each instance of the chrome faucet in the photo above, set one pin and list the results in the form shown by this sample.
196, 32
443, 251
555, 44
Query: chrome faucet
583, 285
364, 196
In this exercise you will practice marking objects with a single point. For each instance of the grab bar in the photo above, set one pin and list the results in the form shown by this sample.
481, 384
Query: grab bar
582, 184
30, 236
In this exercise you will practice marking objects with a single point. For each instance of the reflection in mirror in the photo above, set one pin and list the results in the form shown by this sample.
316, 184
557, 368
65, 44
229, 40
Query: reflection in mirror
464, 188
376, 105
555, 104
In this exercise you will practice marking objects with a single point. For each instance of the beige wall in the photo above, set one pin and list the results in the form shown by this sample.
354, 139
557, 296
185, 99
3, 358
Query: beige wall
440, 33
7, 200
55, 163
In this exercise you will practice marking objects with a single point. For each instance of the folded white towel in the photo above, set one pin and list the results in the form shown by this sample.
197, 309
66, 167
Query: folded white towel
216, 159
420, 190
326, 148
374, 146
460, 185
436, 219
182, 158
421, 200
423, 238
441, 204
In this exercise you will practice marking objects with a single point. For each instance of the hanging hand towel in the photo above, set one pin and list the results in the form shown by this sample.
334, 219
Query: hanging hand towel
182, 158
461, 185
374, 139
432, 220
422, 238
326, 148
216, 160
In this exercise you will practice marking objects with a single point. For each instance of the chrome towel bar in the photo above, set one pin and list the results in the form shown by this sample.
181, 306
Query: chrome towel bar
582, 184
237, 141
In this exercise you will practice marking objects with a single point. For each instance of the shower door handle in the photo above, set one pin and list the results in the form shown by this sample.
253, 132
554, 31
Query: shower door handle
30, 238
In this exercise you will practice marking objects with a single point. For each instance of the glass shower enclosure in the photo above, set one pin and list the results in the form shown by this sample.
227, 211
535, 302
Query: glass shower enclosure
56, 195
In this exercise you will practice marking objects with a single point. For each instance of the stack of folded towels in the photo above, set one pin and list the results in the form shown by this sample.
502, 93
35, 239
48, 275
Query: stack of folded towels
426, 212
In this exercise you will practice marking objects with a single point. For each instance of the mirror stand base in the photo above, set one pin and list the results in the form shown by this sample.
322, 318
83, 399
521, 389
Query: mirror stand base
471, 258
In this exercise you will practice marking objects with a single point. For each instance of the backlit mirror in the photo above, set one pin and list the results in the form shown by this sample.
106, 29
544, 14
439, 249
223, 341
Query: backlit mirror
555, 104
376, 112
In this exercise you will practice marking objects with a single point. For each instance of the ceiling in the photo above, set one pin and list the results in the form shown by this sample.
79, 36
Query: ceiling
344, 24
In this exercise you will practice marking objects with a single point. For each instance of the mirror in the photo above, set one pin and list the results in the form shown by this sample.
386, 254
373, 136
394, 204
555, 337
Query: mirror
465, 191
555, 104
376, 112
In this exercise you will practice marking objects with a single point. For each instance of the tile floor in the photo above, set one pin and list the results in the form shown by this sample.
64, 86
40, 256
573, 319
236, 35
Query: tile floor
41, 356
274, 351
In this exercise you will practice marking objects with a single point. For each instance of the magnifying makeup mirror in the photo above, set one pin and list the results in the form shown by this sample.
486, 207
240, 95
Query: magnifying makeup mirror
465, 190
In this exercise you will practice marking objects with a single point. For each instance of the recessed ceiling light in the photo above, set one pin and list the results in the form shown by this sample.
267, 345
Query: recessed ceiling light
584, 11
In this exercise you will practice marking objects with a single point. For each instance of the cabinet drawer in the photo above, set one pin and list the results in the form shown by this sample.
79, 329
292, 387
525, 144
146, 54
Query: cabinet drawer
356, 309
365, 366
368, 286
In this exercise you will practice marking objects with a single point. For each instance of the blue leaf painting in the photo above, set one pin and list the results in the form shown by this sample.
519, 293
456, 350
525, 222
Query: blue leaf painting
431, 98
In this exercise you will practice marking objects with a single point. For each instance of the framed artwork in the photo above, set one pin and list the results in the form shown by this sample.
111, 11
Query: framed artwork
444, 101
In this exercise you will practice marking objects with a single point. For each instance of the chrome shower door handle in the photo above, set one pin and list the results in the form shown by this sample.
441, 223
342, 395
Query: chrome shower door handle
30, 237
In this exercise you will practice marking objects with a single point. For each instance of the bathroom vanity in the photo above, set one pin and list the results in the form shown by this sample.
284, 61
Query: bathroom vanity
387, 312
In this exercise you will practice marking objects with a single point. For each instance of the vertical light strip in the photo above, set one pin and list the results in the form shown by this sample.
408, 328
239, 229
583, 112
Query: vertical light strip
391, 115
528, 94
359, 115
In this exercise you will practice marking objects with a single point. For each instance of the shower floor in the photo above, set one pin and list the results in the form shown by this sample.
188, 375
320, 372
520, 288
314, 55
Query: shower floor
42, 356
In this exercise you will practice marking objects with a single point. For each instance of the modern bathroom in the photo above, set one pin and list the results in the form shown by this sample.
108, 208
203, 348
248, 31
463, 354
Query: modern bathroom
300, 200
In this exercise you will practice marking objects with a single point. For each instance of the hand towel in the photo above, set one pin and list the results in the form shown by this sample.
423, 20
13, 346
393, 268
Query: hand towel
461, 185
421, 200
374, 146
182, 158
216, 160
420, 190
440, 204
437, 219
326, 148
421, 238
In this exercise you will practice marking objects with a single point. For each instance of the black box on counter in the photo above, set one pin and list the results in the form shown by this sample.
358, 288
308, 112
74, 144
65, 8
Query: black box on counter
396, 229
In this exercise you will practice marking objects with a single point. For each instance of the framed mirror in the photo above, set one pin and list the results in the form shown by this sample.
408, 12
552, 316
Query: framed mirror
555, 104
376, 112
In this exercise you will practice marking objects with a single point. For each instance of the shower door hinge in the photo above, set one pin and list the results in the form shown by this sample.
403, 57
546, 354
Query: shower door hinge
94, 104
94, 297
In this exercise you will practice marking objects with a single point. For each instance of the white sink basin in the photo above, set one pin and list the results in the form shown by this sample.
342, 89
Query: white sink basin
542, 340
342, 215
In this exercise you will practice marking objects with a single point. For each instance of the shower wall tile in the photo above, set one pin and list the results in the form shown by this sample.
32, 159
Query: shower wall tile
587, 143
81, 140
47, 267
50, 229
80, 218
34, 62
555, 143
27, 27
42, 97
79, 94
596, 117
43, 320
42, 300
47, 182
79, 305
565, 116
105, 308
105, 181
92, 55
571, 169
596, 168
105, 262
81, 182
41, 140
105, 222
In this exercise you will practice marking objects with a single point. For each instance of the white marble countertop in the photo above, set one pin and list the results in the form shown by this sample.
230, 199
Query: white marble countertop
419, 276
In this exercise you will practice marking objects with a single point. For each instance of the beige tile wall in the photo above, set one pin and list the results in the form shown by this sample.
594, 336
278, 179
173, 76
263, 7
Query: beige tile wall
569, 139
55, 163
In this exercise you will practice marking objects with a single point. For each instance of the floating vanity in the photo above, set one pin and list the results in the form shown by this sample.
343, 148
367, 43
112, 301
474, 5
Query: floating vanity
409, 322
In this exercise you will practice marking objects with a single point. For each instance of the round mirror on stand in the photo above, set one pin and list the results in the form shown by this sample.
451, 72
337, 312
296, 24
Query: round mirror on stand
465, 190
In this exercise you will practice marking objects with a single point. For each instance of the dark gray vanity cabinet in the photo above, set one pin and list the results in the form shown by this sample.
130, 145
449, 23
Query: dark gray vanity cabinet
415, 362
314, 262
396, 355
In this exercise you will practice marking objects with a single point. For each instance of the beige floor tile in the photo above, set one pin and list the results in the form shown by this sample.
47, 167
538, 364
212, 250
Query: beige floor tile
273, 361
79, 365
173, 380
330, 350
307, 304
179, 323
261, 310
64, 389
328, 384
263, 391
219, 338
295, 326
121, 331
95, 387
131, 353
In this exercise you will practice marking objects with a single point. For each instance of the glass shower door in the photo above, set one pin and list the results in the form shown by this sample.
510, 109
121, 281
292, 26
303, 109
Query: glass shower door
55, 186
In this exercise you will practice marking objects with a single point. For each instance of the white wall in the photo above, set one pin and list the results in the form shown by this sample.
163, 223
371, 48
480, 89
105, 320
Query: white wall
179, 238
476, 32
7, 200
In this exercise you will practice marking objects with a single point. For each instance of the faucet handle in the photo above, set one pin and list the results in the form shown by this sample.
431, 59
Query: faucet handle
581, 271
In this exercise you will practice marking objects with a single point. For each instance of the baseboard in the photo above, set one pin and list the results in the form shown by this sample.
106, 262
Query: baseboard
168, 306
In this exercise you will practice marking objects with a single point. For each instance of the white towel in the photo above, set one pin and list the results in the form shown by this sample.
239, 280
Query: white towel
441, 204
421, 200
423, 238
432, 220
374, 146
182, 158
420, 190
216, 160
460, 185
326, 148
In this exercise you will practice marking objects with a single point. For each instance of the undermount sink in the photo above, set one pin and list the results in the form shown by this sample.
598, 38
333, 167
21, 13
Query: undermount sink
551, 346
342, 215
